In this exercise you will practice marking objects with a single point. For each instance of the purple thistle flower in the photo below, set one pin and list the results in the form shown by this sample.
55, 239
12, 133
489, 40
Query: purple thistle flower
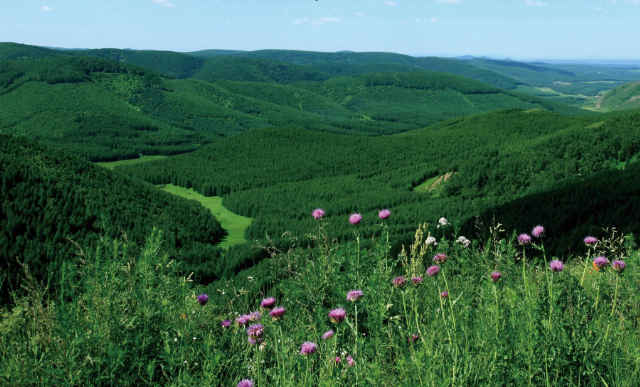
538, 231
277, 313
384, 214
242, 320
440, 258
495, 276
556, 265
337, 315
337, 359
600, 262
350, 361
444, 294
255, 331
433, 270
354, 295
308, 348
619, 266
203, 299
318, 213
399, 281
590, 241
255, 316
268, 303
524, 239
245, 383
226, 323
417, 280
414, 337
327, 335
253, 341
354, 219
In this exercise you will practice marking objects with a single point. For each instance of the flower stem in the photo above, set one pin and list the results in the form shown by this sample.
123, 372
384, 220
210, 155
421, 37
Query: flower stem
585, 266
615, 297
453, 317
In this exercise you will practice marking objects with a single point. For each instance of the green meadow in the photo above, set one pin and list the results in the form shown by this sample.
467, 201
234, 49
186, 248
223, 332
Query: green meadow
234, 224
142, 159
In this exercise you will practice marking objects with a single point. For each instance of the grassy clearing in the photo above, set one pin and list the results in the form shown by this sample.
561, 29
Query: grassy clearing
234, 224
433, 186
143, 159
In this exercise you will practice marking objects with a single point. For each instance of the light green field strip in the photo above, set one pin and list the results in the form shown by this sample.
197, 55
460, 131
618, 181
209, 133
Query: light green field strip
232, 223
143, 159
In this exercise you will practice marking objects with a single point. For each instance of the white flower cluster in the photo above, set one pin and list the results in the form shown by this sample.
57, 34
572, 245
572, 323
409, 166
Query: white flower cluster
443, 221
463, 241
430, 241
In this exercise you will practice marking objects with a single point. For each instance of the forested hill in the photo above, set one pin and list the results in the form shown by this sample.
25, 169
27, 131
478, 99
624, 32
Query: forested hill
488, 160
51, 199
107, 110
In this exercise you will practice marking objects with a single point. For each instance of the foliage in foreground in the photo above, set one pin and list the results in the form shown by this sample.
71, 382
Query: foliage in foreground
124, 317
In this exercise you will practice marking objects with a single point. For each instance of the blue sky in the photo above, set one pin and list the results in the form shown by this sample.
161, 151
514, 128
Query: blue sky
520, 29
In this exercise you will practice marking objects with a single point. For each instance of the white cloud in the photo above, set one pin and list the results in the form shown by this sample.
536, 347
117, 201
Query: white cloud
164, 3
359, 14
536, 3
449, 1
392, 3
318, 22
633, 1
285, 11
300, 21
46, 8
329, 19
434, 19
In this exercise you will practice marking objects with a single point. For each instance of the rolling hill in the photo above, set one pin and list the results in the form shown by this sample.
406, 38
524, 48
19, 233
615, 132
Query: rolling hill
622, 97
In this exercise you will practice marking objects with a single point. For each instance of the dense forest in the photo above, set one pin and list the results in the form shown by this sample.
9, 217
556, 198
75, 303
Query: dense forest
53, 202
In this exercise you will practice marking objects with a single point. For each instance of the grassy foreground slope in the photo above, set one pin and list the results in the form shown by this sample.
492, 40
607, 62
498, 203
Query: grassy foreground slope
622, 97
51, 200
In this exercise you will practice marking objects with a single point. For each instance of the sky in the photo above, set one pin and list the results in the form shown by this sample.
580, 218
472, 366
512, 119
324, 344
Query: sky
517, 29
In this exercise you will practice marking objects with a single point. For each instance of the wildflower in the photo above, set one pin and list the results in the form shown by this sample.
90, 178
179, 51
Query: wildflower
183, 316
354, 219
308, 348
430, 241
443, 221
327, 335
463, 241
444, 294
354, 295
433, 270
399, 281
524, 239
337, 315
268, 303
350, 361
414, 337
245, 383
384, 214
495, 276
226, 324
255, 316
538, 231
590, 241
277, 313
318, 213
253, 341
416, 280
337, 359
242, 320
600, 262
203, 299
440, 258
618, 266
556, 266
255, 331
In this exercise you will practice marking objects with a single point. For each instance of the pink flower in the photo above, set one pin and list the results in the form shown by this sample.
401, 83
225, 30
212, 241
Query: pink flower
619, 266
399, 282
350, 361
318, 213
433, 270
590, 241
354, 295
277, 313
242, 320
444, 294
384, 214
495, 276
337, 315
337, 359
308, 348
245, 383
255, 316
538, 231
355, 219
226, 323
556, 265
524, 239
414, 337
327, 335
417, 280
440, 258
268, 303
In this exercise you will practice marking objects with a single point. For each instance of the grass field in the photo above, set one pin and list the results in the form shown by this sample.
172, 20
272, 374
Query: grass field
234, 224
113, 164
433, 186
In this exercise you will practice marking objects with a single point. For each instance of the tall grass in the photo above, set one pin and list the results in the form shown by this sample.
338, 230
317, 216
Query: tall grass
123, 316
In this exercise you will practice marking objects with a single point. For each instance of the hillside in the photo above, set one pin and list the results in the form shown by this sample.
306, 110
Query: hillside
52, 200
107, 110
497, 157
622, 97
